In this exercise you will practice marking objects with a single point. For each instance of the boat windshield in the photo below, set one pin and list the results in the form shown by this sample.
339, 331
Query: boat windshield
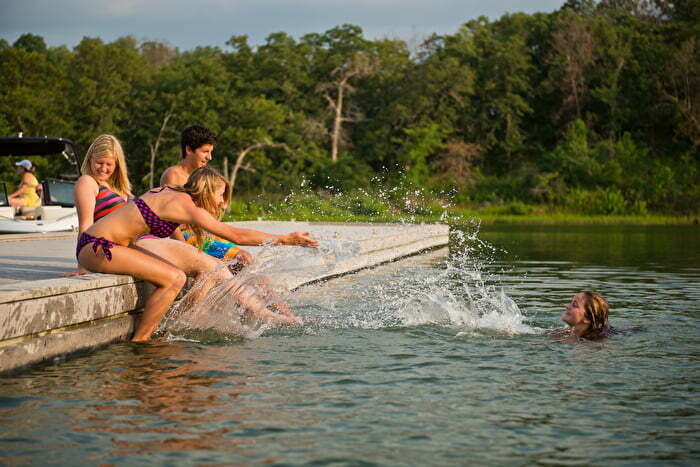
58, 193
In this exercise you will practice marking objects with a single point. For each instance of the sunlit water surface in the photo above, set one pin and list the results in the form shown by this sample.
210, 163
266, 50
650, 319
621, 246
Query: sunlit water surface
438, 359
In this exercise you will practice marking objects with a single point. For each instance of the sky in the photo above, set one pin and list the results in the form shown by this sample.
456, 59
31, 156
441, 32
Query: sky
187, 24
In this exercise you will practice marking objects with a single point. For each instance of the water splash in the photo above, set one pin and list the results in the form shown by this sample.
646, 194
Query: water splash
459, 292
231, 303
215, 309
331, 250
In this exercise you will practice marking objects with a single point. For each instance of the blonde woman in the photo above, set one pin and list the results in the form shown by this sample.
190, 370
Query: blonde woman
26, 194
104, 185
106, 246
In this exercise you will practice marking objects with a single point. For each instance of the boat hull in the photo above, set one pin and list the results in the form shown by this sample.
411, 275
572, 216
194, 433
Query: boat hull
66, 223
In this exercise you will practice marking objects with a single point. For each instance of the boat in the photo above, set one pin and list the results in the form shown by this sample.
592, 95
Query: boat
57, 211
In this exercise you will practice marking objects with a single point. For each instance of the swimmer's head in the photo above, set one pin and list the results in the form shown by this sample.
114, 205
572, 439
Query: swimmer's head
587, 312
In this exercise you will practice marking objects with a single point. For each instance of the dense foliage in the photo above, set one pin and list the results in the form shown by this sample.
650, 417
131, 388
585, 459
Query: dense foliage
594, 108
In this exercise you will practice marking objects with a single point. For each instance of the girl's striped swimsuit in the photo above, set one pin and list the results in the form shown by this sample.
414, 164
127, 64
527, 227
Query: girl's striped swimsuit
106, 201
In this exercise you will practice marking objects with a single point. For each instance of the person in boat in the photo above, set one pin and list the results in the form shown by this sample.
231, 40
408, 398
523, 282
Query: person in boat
587, 318
106, 246
197, 146
27, 194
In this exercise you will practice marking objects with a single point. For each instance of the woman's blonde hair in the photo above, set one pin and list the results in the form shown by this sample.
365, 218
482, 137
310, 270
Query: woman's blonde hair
201, 186
596, 308
109, 146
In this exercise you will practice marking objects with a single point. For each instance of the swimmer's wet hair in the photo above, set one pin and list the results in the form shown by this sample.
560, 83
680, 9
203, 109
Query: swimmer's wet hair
596, 311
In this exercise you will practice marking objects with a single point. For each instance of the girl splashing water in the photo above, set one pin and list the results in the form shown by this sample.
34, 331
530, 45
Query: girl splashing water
105, 245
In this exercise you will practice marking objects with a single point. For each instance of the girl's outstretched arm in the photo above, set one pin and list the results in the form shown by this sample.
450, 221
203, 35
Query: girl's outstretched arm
239, 236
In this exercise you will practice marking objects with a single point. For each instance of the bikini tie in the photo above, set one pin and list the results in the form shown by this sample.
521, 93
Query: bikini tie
106, 246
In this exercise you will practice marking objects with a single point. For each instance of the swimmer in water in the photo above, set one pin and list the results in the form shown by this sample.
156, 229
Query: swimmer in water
587, 317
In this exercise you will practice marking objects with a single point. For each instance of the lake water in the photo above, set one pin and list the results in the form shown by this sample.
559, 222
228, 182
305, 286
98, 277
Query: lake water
438, 359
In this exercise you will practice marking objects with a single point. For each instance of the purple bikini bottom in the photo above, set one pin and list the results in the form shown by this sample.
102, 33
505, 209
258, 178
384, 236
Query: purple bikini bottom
102, 242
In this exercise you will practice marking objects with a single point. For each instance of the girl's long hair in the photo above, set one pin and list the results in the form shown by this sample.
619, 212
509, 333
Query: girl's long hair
109, 146
201, 186
596, 311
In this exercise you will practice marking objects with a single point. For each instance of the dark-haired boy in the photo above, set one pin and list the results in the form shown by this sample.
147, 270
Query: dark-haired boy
197, 144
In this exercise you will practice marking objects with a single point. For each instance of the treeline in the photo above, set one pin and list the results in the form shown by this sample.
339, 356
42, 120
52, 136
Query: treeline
594, 108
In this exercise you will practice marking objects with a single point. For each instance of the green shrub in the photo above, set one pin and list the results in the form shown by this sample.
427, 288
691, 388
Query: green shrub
518, 208
361, 203
348, 173
497, 189
600, 201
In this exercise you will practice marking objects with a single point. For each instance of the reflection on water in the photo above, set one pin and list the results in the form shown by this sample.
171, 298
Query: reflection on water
437, 359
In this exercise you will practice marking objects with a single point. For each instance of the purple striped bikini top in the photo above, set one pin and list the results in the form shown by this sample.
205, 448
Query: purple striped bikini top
158, 226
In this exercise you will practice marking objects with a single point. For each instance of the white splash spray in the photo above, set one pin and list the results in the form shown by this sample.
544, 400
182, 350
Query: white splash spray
456, 291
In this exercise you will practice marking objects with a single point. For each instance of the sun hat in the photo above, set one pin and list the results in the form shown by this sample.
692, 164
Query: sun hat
24, 163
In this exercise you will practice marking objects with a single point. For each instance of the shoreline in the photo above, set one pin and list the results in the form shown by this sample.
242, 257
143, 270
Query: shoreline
573, 219
486, 219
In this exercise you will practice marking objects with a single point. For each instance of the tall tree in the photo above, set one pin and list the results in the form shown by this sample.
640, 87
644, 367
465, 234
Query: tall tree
103, 79
501, 89
683, 88
573, 52
338, 89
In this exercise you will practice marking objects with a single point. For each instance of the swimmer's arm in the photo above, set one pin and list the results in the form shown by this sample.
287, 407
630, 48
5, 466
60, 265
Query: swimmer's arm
245, 236
560, 335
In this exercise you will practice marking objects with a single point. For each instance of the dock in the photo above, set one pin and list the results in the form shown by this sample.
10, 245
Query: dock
45, 317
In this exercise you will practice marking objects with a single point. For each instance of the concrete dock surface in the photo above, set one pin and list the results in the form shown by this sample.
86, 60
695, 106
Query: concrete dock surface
44, 316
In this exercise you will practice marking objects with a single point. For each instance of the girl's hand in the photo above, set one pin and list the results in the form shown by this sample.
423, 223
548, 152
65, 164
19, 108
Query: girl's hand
302, 239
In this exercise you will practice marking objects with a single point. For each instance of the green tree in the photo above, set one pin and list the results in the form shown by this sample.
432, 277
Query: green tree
573, 52
32, 94
502, 85
102, 80
572, 156
421, 144
30, 43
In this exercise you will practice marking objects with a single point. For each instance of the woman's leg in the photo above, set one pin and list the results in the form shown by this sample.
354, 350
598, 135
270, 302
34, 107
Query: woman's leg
188, 259
167, 279
181, 255
195, 263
